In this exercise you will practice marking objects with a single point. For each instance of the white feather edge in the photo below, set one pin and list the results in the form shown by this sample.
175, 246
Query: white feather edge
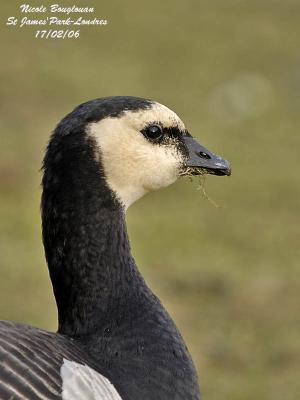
80, 382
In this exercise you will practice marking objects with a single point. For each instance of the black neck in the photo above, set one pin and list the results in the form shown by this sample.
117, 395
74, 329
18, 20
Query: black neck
85, 239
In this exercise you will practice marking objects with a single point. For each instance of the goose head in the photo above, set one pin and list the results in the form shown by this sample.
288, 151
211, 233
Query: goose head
147, 147
136, 145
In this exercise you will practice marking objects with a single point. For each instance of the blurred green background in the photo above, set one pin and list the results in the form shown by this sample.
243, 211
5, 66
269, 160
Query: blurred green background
229, 275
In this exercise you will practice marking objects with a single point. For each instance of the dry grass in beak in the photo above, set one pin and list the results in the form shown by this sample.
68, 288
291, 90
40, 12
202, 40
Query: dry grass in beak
199, 173
189, 171
202, 180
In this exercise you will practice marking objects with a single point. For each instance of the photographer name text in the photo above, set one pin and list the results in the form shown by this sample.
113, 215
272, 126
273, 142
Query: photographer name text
68, 19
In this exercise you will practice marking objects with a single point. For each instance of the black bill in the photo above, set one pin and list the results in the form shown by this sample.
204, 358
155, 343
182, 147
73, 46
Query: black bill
201, 159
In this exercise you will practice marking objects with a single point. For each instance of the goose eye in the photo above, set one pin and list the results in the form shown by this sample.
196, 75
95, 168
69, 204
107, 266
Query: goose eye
153, 133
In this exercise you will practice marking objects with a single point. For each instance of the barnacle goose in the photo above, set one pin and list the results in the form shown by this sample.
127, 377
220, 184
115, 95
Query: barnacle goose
115, 340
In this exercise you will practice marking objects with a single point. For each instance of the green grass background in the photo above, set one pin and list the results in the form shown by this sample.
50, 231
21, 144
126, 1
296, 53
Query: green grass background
228, 275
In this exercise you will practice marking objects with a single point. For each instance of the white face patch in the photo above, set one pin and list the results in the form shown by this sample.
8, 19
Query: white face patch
80, 382
132, 164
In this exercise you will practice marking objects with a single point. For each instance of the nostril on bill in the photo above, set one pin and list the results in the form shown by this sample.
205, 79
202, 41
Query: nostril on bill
202, 154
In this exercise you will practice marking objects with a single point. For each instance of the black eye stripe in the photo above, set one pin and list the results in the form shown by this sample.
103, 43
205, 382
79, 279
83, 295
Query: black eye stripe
156, 133
173, 132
